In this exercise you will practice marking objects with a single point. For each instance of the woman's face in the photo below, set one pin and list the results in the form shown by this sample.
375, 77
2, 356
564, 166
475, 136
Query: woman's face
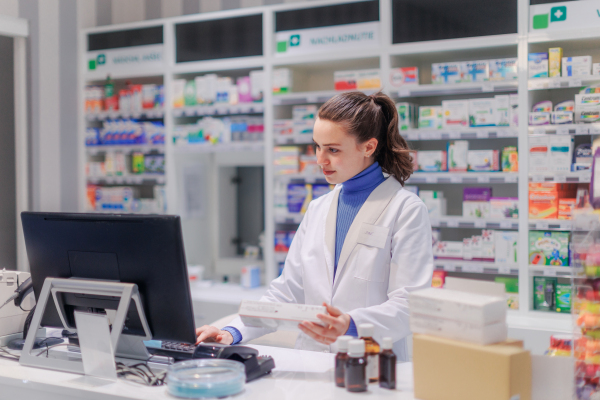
338, 153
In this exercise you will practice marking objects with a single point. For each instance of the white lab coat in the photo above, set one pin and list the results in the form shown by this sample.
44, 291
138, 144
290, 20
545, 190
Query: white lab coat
386, 255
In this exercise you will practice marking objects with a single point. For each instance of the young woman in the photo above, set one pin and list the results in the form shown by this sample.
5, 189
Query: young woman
361, 249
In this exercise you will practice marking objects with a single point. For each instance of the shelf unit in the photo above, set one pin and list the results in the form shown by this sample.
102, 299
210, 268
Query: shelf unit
385, 55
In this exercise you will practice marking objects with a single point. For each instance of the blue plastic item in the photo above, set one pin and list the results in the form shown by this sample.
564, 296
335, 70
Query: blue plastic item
206, 378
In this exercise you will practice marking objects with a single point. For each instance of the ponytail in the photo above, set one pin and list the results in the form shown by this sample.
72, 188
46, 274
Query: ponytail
373, 116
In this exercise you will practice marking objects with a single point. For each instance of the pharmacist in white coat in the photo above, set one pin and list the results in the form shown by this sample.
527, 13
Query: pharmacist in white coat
361, 249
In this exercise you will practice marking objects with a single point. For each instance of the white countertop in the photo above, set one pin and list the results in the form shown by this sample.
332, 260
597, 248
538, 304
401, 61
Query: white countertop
298, 375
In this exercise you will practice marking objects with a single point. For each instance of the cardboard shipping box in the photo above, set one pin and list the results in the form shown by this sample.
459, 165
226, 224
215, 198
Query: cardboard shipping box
446, 369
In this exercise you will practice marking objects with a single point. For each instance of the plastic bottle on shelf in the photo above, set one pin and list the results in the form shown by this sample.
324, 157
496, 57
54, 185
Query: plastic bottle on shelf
356, 367
365, 332
111, 100
387, 365
340, 360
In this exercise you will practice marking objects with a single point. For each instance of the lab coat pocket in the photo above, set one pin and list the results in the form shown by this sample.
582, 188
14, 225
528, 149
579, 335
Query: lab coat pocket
372, 258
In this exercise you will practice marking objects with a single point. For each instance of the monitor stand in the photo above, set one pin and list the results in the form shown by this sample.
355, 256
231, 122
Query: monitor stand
126, 346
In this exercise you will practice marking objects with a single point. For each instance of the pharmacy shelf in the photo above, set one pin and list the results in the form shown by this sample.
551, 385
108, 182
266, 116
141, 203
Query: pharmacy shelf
288, 218
547, 270
473, 223
475, 267
144, 148
463, 177
110, 115
219, 109
141, 179
562, 82
257, 146
540, 321
550, 225
308, 97
568, 129
561, 177
463, 133
456, 89
293, 139
308, 178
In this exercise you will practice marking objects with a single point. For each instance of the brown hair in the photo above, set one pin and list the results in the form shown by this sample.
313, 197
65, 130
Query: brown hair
373, 116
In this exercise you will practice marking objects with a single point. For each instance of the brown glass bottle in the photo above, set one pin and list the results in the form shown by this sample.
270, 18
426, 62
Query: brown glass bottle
340, 360
387, 365
356, 367
366, 331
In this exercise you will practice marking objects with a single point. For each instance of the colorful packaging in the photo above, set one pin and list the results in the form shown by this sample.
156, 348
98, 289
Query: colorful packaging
502, 110
538, 153
488, 251
457, 155
561, 117
257, 82
587, 107
438, 279
345, 80
543, 205
596, 69
560, 152
137, 162
368, 79
467, 249
455, 113
435, 202
514, 110
510, 159
244, 89
549, 248
554, 59
320, 189
404, 76
565, 208
281, 244
442, 73
283, 127
406, 116
544, 293
282, 80
577, 66
506, 247
250, 276
481, 112
448, 250
567, 105
430, 117
539, 118
299, 195
178, 92
432, 161
542, 106
304, 112
563, 298
483, 160
538, 65
504, 207
503, 69
476, 71
476, 202
582, 157
511, 285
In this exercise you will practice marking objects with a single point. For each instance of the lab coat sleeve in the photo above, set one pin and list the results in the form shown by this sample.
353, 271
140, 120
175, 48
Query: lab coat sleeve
411, 268
287, 288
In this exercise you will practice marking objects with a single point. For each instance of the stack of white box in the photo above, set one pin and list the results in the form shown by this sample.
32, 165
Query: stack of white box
458, 315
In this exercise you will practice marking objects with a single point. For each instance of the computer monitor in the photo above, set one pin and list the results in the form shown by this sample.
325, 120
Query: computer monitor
146, 250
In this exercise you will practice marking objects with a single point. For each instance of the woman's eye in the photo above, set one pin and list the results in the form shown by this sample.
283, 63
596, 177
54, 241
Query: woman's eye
333, 150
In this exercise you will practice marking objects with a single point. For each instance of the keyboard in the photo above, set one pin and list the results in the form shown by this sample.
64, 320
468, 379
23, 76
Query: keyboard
178, 351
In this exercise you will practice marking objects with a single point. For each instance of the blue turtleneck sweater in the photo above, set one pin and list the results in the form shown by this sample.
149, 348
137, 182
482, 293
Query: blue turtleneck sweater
353, 195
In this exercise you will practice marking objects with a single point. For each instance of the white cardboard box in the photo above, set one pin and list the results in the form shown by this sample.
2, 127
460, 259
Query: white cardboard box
475, 309
457, 330
280, 316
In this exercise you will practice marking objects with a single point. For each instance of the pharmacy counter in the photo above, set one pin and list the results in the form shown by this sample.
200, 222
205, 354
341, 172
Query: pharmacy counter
298, 375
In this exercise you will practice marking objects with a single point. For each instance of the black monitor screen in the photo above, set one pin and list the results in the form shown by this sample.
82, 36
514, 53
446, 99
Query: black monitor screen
221, 38
126, 38
318, 17
422, 20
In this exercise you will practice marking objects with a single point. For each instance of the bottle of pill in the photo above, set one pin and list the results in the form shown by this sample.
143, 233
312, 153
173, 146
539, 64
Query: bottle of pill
366, 331
387, 365
356, 367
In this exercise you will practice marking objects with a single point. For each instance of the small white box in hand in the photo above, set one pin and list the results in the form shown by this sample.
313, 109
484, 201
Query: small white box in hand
279, 316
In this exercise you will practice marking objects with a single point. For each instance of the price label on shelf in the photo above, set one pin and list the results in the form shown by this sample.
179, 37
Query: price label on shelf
537, 178
483, 179
506, 224
449, 267
554, 83
481, 134
477, 269
511, 177
504, 270
487, 87
431, 179
594, 130
575, 82
452, 223
480, 223
455, 179
586, 176
454, 134
563, 130
541, 225
539, 131
549, 272
412, 135
535, 84
404, 93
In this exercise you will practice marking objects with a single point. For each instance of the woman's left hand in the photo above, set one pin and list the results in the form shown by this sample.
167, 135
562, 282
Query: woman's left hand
336, 324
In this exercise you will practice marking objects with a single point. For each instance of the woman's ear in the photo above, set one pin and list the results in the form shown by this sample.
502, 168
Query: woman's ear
370, 146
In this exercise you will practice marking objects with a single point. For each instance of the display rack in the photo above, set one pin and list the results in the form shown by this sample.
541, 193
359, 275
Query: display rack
202, 236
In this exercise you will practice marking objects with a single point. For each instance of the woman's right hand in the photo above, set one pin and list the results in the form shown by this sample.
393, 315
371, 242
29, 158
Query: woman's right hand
209, 333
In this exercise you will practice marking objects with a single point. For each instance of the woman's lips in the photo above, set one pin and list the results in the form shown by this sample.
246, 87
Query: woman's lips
327, 173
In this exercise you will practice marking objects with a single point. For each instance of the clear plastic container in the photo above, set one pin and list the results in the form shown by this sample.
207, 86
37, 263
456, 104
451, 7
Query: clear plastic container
206, 378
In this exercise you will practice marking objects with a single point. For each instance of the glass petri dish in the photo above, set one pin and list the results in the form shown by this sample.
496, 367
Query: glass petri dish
206, 378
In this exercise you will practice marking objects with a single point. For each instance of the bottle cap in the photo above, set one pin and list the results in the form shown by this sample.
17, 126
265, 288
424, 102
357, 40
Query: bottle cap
386, 343
342, 343
366, 330
356, 348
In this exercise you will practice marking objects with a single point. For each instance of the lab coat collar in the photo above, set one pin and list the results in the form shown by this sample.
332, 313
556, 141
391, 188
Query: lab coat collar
369, 213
